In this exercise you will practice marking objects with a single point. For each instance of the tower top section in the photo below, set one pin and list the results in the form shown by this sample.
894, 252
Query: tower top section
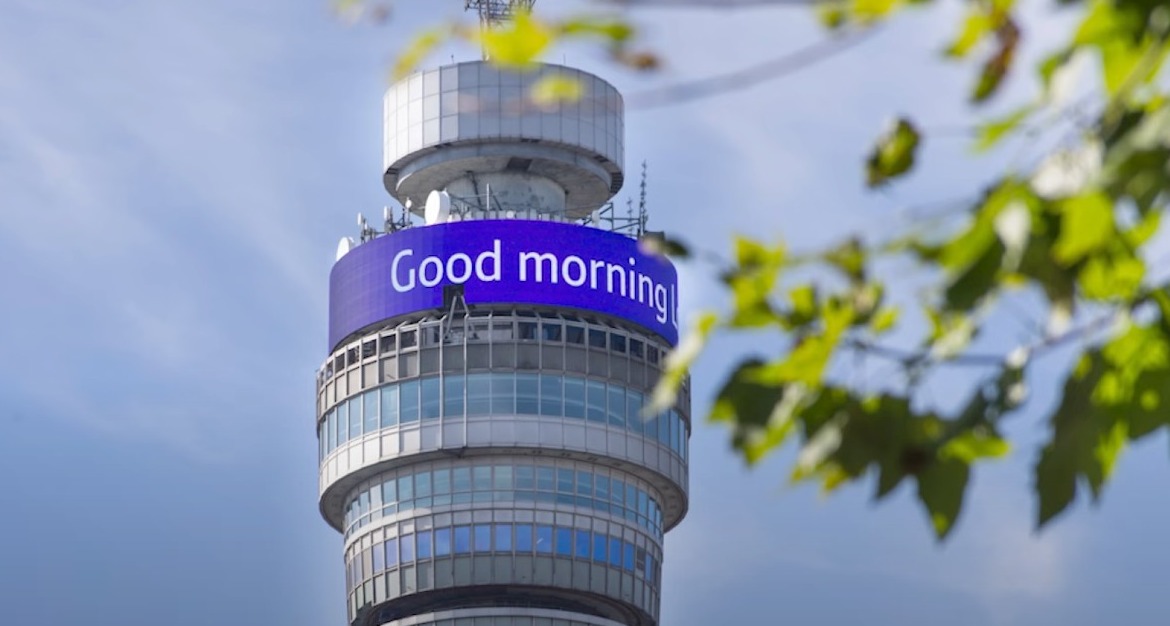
494, 12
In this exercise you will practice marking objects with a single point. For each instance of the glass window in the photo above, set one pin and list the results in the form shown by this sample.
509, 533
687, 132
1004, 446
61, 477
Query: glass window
550, 332
461, 479
565, 480
546, 478
652, 354
615, 552
408, 339
636, 348
462, 539
425, 549
503, 394
342, 423
564, 541
389, 406
442, 480
482, 478
574, 334
596, 338
617, 342
525, 477
453, 395
389, 492
331, 431
503, 478
650, 425
628, 556
584, 484
581, 544
523, 538
574, 398
443, 542
527, 330
406, 548
483, 537
551, 402
595, 401
355, 417
422, 485
527, 393
479, 394
391, 553
601, 484
617, 406
370, 411
599, 547
406, 488
503, 537
408, 401
431, 407
544, 539
664, 429
379, 559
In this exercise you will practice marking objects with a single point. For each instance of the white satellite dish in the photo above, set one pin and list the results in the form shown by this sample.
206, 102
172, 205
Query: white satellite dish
438, 207
510, 215
344, 246
386, 214
409, 203
595, 218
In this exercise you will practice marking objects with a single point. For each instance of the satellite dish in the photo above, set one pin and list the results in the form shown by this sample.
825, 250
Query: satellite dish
409, 203
595, 218
510, 215
344, 246
438, 207
386, 214
361, 221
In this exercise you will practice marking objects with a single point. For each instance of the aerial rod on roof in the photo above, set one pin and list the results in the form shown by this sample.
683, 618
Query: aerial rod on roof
493, 13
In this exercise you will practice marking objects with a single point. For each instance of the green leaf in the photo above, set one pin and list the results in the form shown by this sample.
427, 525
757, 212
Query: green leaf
988, 134
894, 153
866, 11
973, 445
678, 362
1086, 226
752, 283
615, 30
419, 48
885, 319
976, 25
941, 487
761, 421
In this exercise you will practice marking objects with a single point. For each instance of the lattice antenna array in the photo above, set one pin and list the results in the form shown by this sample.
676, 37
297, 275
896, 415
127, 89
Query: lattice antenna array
495, 12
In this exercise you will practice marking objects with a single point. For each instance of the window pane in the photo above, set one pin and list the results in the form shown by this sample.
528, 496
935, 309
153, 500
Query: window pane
407, 339
628, 556
389, 406
636, 348
422, 485
544, 539
389, 492
453, 396
595, 406
462, 539
527, 391
564, 541
379, 559
461, 479
479, 394
596, 338
617, 342
581, 544
551, 402
525, 477
482, 478
503, 537
355, 417
551, 331
391, 552
615, 552
599, 547
523, 538
442, 480
503, 394
342, 423
574, 398
370, 411
430, 398
527, 330
565, 481
585, 484
406, 488
664, 429
617, 407
483, 537
331, 431
443, 542
424, 544
634, 402
408, 401
503, 477
546, 478
406, 548
574, 334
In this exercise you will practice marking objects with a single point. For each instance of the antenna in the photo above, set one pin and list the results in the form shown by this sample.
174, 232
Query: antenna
492, 13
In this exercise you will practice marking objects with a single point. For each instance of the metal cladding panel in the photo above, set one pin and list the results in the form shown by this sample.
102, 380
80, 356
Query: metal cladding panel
503, 262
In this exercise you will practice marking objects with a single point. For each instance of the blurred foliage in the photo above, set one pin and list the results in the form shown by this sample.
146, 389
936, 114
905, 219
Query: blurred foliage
1075, 230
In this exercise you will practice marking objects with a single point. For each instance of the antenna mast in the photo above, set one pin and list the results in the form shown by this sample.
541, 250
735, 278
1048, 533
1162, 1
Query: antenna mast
493, 13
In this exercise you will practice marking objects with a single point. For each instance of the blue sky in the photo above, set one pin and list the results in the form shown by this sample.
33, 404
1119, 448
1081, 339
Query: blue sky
173, 181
